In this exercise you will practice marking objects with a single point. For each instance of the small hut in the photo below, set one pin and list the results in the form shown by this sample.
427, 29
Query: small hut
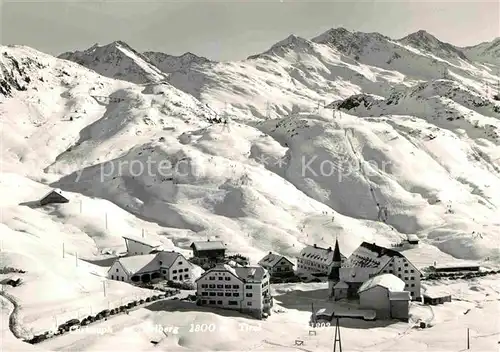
54, 196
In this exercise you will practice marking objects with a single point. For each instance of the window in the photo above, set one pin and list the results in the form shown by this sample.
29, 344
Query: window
227, 278
122, 278
211, 294
211, 302
227, 286
174, 271
236, 294
412, 271
406, 278
399, 269
180, 263
211, 278
161, 262
220, 293
412, 285
112, 277
164, 271
186, 276
174, 278
249, 303
233, 303
406, 271
204, 293
220, 286
219, 302
186, 269
248, 287
116, 270
412, 278
211, 286
406, 264
228, 294
203, 301
221, 278
249, 295
204, 285
236, 287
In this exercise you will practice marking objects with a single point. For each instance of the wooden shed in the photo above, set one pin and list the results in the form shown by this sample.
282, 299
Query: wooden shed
54, 196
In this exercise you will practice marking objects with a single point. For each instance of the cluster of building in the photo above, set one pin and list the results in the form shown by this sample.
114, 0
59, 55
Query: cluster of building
382, 279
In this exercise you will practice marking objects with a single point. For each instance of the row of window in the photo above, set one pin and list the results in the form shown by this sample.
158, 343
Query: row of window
227, 287
186, 276
231, 303
117, 277
226, 294
180, 270
227, 278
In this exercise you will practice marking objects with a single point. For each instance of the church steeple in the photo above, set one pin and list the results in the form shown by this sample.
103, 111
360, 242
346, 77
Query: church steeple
337, 262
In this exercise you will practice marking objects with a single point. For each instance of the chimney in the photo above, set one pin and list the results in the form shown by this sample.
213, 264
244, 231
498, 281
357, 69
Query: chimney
270, 252
315, 245
329, 249
208, 240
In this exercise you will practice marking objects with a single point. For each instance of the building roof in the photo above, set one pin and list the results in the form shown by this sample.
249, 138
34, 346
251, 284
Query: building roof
250, 273
272, 259
56, 191
389, 281
318, 254
138, 263
208, 245
245, 274
145, 241
370, 255
341, 284
167, 258
412, 238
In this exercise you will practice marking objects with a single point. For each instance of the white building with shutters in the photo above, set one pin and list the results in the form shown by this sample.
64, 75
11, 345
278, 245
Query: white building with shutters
245, 289
144, 268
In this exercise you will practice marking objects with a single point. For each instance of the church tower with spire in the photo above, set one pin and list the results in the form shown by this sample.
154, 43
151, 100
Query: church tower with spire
334, 276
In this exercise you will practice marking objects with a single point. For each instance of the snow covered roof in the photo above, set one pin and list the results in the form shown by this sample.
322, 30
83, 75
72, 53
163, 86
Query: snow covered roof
246, 274
320, 254
250, 273
208, 245
271, 259
412, 237
167, 258
369, 255
389, 281
145, 241
138, 263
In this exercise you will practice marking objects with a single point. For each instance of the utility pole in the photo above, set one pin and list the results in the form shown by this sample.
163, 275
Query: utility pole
63, 249
104, 287
468, 339
337, 336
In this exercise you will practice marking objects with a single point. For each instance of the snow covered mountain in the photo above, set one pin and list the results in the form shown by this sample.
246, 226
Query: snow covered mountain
488, 52
117, 60
169, 63
322, 137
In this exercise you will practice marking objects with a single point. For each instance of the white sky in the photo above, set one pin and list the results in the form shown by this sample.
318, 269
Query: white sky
229, 30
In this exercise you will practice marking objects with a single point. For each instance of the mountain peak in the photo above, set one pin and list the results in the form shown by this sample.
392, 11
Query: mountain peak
116, 60
427, 42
